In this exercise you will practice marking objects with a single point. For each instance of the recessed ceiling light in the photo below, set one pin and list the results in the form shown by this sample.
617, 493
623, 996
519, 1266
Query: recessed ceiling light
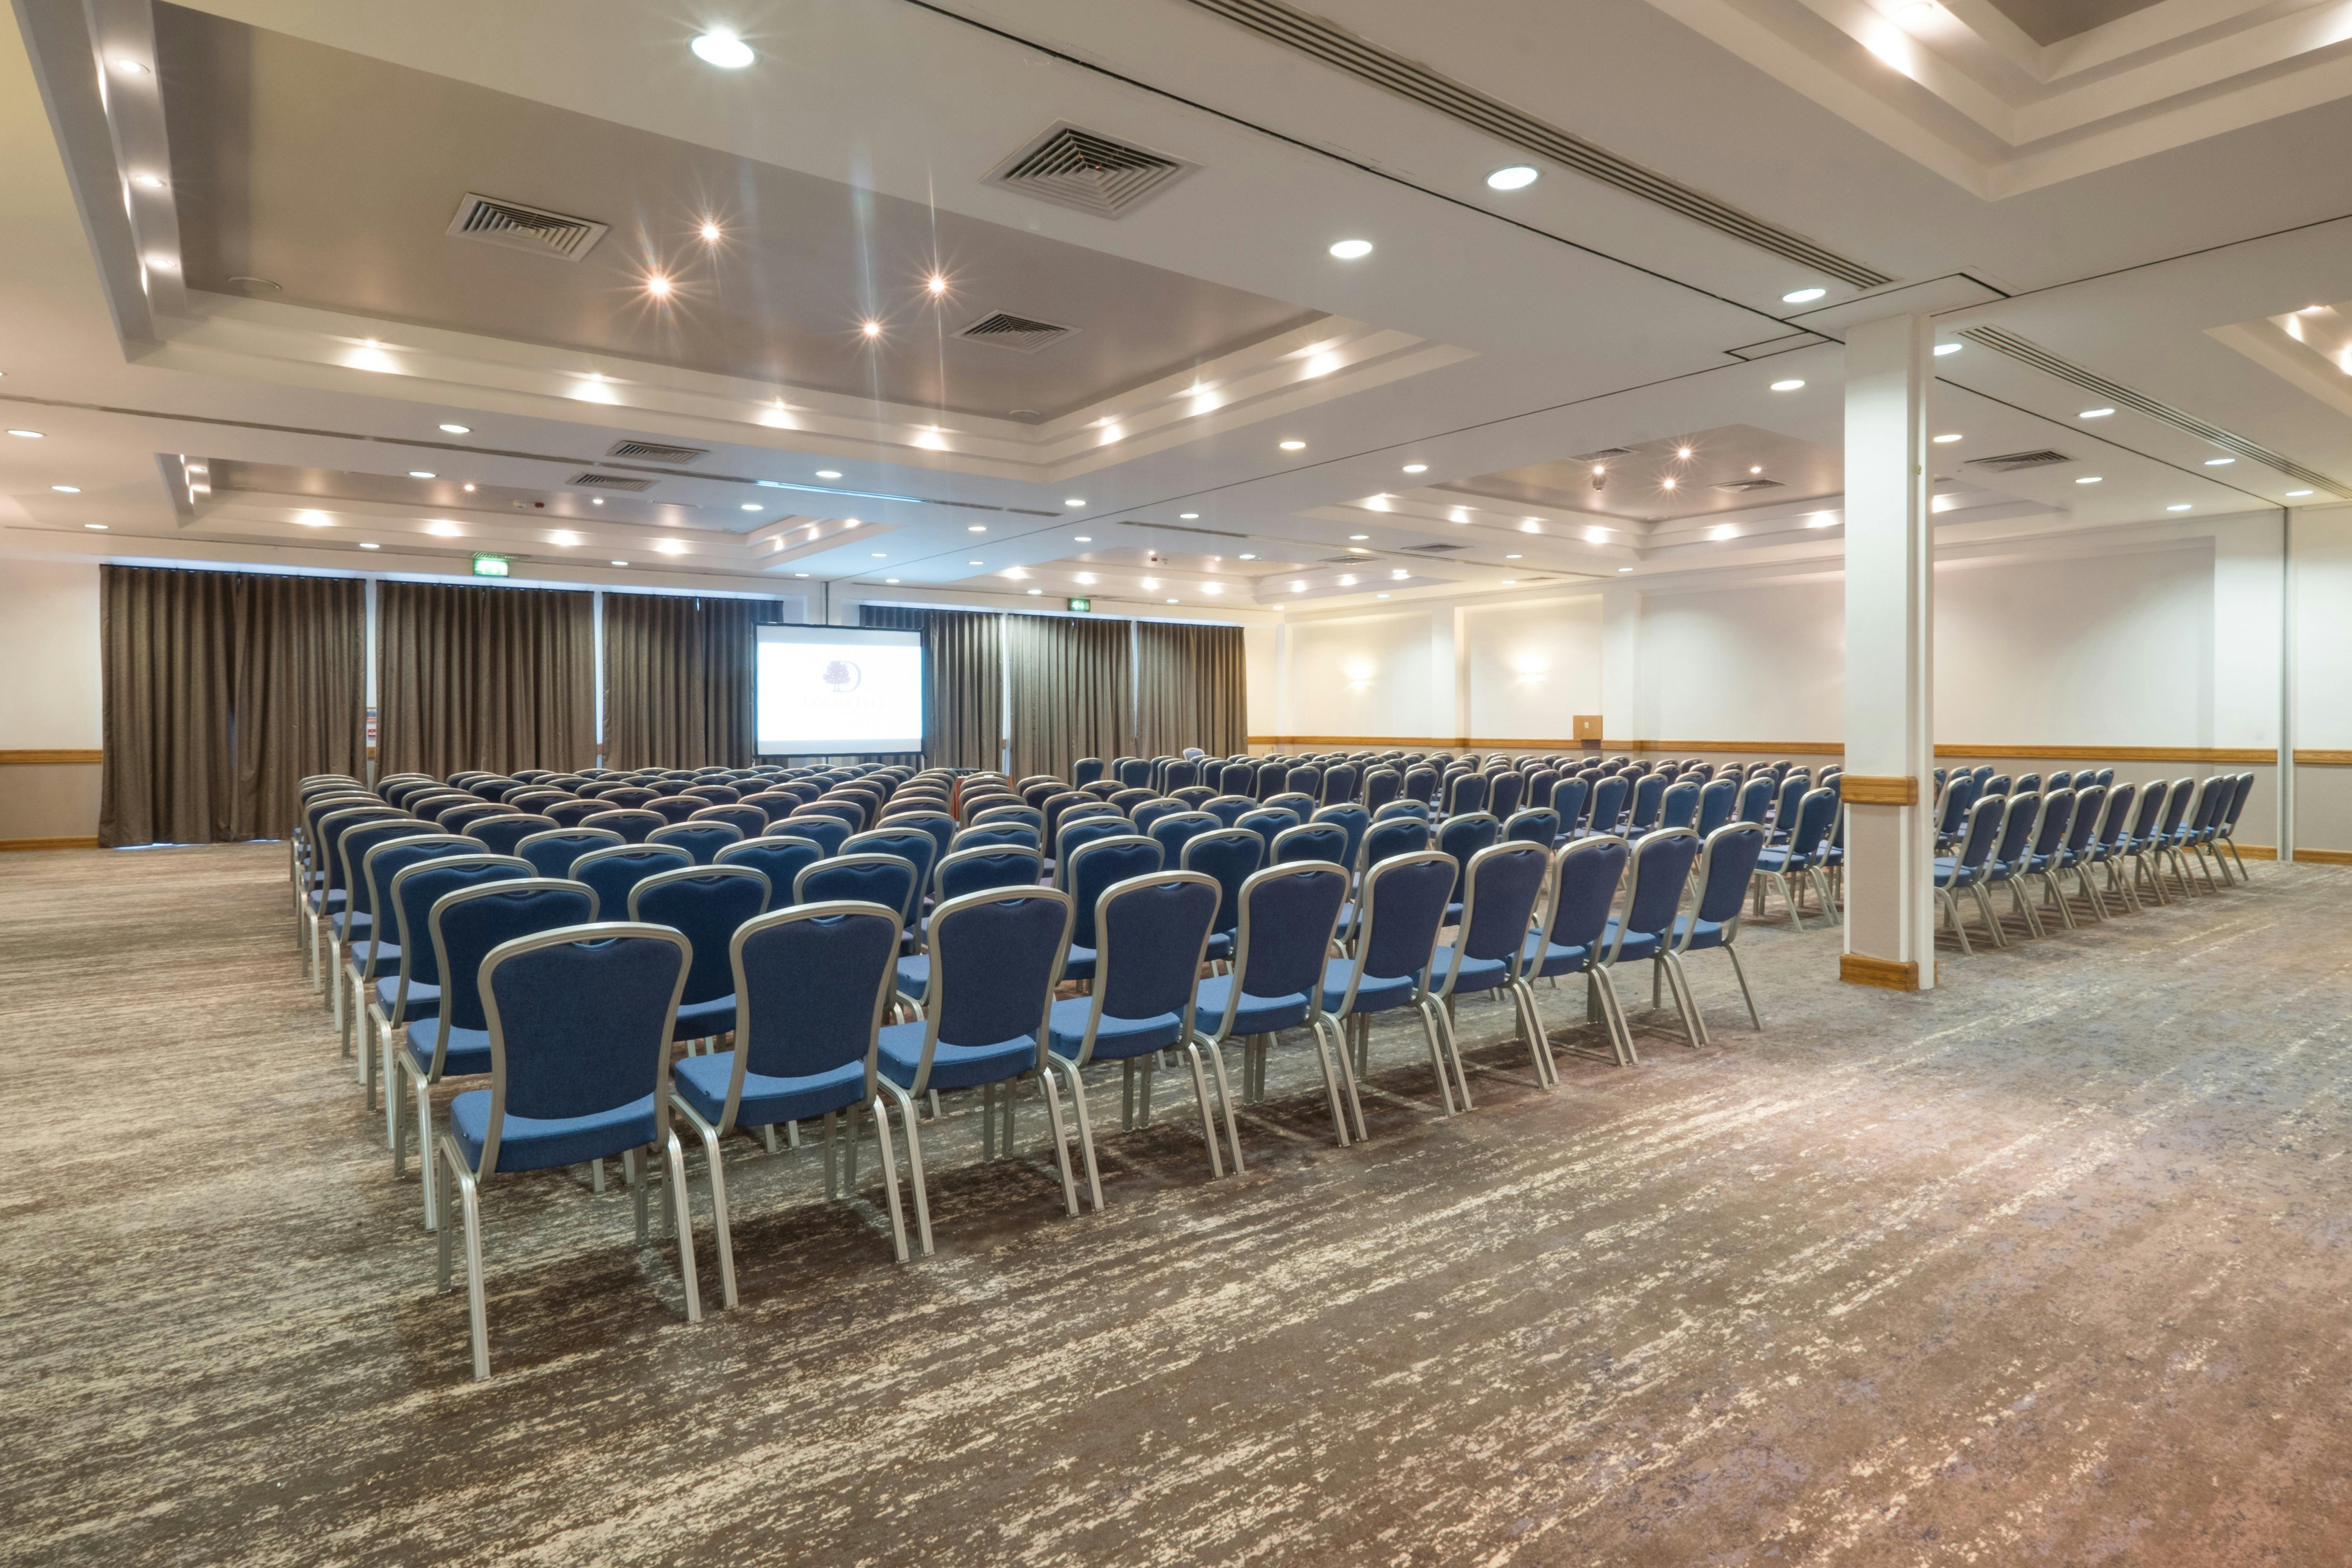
1802, 296
799, 574
1625, 569
620, 564
1947, 440
709, 231
2293, 493
2219, 462
1293, 445
1352, 249
871, 329
724, 51
148, 182
67, 489
658, 286
1083, 538
1518, 177
563, 537
891, 580
2090, 480
881, 556
828, 473
1299, 587
2095, 414
936, 284
95, 527
1667, 483
1036, 590
136, 67
975, 563
27, 435
1510, 581
1379, 596
1682, 451
976, 528
596, 500
1416, 468
2178, 506
1073, 500
469, 489
1359, 537
422, 474
365, 544
439, 530
752, 506
458, 430
1512, 558
1789, 385
1189, 516
1247, 557
1943, 349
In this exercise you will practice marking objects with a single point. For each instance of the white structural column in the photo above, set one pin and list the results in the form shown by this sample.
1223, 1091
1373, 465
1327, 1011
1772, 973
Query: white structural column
1890, 675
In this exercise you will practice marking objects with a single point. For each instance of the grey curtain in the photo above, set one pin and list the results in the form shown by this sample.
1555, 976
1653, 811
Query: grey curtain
1071, 688
966, 700
1192, 687
222, 688
679, 679
484, 677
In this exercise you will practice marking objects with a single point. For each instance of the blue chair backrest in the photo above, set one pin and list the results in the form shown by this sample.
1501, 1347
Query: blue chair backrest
352, 847
2107, 776
746, 819
1269, 823
613, 872
1229, 809
1238, 778
1340, 783
2017, 826
580, 1022
1416, 809
781, 861
1305, 779
1503, 793
890, 880
1794, 787
1540, 826
1311, 841
1382, 786
1135, 773
1756, 798
1718, 802
1608, 803
1463, 836
1816, 814
809, 984
2061, 779
1142, 816
1095, 866
552, 852
1504, 882
1180, 776
1286, 916
1078, 835
986, 866
501, 835
2090, 805
1465, 793
913, 844
1726, 866
828, 833
1661, 867
386, 859
1678, 807
631, 824
1960, 796
1350, 817
1086, 771
1230, 856
1395, 836
708, 903
702, 841
1421, 784
1584, 888
995, 835
468, 922
2121, 802
1153, 931
1570, 798
995, 958
572, 812
2237, 798
1997, 784
2030, 784
1173, 831
2057, 816
1984, 821
1404, 903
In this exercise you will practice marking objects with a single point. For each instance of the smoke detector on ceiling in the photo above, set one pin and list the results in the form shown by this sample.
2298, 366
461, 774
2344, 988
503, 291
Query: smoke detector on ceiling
1075, 167
1004, 329
491, 221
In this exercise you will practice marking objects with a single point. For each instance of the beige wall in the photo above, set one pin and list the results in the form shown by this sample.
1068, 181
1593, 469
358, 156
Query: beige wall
48, 698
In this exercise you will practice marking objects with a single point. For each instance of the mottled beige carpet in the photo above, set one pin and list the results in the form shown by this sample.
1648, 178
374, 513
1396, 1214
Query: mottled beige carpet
2047, 1266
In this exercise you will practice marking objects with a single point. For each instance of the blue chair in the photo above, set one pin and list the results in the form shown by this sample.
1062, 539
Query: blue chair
1135, 773
551, 853
1798, 855
890, 880
376, 958
1080, 833
1307, 779
1649, 795
453, 1041
1267, 823
966, 871
1094, 868
354, 923
937, 823
1180, 774
1660, 869
2075, 851
1678, 807
1539, 825
1086, 771
1421, 784
575, 1039
748, 820
1354, 819
828, 833
501, 835
2047, 848
1173, 831
1152, 936
1416, 809
995, 958
915, 845
1229, 809
1609, 795
781, 861
1504, 882
1952, 811
811, 985
1464, 793
325, 891
678, 808
702, 841
1275, 982
995, 835
1230, 856
1505, 788
1462, 838
709, 904
1582, 888
1297, 802
2225, 831
1996, 784
613, 872
1965, 867
1339, 783
2020, 820
1403, 903
572, 812
1725, 865
1756, 799
1718, 802
2030, 784
1141, 816
1381, 787
1238, 778
2107, 843
634, 825
1193, 797
1311, 841
1570, 797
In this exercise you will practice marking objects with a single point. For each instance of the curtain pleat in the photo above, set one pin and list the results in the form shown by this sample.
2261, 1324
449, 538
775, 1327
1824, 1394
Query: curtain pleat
966, 702
221, 689
1191, 690
484, 677
679, 679
1071, 692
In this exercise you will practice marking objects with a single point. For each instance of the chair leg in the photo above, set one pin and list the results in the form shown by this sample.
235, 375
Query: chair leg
1225, 1101
881, 1114
1346, 1072
1950, 908
1331, 1084
710, 1136
1739, 973
1530, 1028
1061, 1140
1693, 1026
674, 1158
1085, 1134
424, 1143
907, 1117
1602, 988
476, 1309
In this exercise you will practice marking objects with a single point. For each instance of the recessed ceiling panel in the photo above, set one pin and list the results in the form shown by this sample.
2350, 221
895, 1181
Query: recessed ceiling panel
1728, 469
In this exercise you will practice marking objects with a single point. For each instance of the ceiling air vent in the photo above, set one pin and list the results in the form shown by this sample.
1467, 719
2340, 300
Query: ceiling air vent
1434, 549
1603, 454
519, 227
1007, 330
1741, 486
2009, 462
654, 452
1079, 168
609, 482
1364, 560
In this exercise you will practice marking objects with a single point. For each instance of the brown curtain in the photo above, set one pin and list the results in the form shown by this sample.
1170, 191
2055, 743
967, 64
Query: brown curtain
1071, 692
221, 689
484, 677
1192, 687
677, 679
966, 701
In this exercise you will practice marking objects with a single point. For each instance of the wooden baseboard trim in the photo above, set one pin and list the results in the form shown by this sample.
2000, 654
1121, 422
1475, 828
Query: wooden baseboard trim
8, 844
2316, 857
1879, 789
1884, 974
37, 757
2323, 759
2209, 755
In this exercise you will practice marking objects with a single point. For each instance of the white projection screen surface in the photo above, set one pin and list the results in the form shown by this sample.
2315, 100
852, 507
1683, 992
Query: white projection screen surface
831, 690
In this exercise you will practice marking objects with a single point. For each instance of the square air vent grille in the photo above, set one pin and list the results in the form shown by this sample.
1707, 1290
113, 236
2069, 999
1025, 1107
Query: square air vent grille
1095, 174
610, 482
654, 452
1007, 330
1741, 486
520, 227
1603, 454
2009, 462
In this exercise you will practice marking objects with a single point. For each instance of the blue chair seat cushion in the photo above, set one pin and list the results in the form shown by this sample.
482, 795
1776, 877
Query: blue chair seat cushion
953, 1067
1256, 1015
528, 1143
915, 975
1221, 947
700, 1020
1116, 1038
1638, 944
701, 1082
1694, 933
1779, 860
1079, 964
424, 1001
1950, 873
352, 926
1541, 957
468, 1053
1477, 974
1374, 996
387, 956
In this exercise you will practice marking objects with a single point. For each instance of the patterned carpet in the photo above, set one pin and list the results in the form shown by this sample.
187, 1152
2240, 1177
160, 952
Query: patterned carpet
2048, 1266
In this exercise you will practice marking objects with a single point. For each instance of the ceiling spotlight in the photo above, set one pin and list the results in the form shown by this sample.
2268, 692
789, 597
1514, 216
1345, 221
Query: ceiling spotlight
881, 556
1188, 516
1352, 249
2178, 506
752, 506
2095, 414
1789, 385
1948, 440
1625, 569
437, 529
1667, 483
1802, 296
2090, 479
724, 51
1379, 596
1755, 468
1359, 537
1822, 520
369, 545
871, 329
422, 474
1943, 349
1246, 557
710, 232
67, 489
1518, 177
658, 286
1083, 538
828, 473
975, 563
1416, 468
147, 182
1172, 601
1073, 500
596, 500
469, 489
620, 564
1682, 451
563, 537
670, 546
27, 435
976, 528
136, 67
2219, 462
799, 574
1293, 445
457, 429
2292, 494
1510, 581
937, 283
1037, 591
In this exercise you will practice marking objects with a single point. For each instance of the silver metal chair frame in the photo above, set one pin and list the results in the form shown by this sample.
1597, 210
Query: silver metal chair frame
1420, 999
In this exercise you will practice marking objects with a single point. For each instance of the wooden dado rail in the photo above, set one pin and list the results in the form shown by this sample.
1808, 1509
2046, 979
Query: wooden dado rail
91, 757
2256, 755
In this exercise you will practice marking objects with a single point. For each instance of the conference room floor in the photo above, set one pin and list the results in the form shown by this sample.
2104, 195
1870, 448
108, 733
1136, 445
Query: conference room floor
2049, 1265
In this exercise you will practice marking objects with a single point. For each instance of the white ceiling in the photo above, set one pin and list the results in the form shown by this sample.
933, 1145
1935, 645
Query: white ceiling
1489, 338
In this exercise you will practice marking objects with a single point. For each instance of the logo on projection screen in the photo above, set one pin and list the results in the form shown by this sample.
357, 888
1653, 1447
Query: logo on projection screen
842, 677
